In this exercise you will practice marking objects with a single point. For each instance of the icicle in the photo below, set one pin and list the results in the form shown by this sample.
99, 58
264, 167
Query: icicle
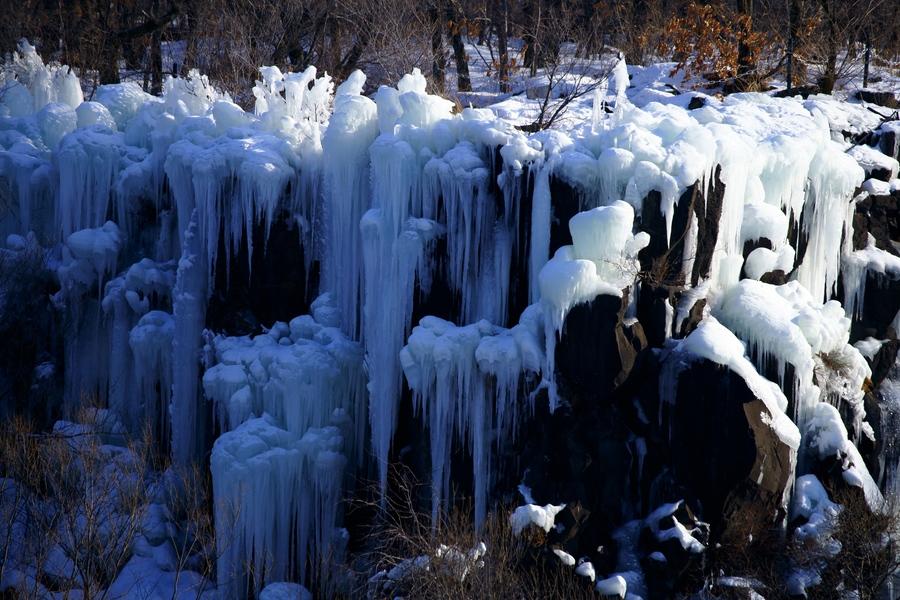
151, 345
300, 374
352, 129
465, 382
392, 266
827, 217
189, 304
276, 497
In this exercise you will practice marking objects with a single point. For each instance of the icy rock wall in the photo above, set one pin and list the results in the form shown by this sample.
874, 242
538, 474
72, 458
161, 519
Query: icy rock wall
397, 191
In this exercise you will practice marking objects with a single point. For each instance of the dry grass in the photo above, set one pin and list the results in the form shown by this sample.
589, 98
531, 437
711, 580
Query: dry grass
443, 561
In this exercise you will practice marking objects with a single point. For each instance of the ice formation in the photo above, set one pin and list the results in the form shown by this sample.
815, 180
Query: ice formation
858, 266
408, 206
786, 324
301, 373
447, 367
677, 531
277, 496
812, 504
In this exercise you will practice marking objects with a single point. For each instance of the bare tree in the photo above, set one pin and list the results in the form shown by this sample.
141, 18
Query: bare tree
569, 72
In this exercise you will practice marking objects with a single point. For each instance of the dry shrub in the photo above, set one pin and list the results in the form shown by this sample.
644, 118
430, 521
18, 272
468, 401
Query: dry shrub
449, 565
74, 502
869, 549
706, 41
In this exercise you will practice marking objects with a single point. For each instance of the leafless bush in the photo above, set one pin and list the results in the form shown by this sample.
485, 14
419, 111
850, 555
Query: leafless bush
76, 505
449, 559
192, 532
570, 56
869, 552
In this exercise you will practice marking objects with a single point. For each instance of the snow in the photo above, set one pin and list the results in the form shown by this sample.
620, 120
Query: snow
612, 586
564, 557
285, 591
826, 438
586, 569
811, 503
677, 532
869, 347
870, 159
764, 221
532, 515
762, 260
786, 324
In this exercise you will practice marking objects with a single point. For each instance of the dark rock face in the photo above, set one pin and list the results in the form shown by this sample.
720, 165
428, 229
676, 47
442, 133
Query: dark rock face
585, 453
882, 98
566, 204
736, 465
882, 456
880, 217
804, 91
608, 454
596, 350
708, 210
250, 294
889, 142
696, 102
880, 306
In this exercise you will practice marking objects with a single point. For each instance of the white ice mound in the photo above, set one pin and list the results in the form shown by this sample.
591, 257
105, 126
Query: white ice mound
786, 324
276, 500
826, 438
89, 256
299, 373
532, 515
601, 260
680, 533
811, 503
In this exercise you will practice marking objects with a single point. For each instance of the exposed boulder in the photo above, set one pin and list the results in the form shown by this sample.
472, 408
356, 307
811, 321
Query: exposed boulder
743, 462
597, 349
879, 97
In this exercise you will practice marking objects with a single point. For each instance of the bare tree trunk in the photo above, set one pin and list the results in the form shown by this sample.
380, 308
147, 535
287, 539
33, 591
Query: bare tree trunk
501, 22
156, 66
792, 40
156, 57
866, 59
438, 60
533, 23
463, 82
745, 55
829, 75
